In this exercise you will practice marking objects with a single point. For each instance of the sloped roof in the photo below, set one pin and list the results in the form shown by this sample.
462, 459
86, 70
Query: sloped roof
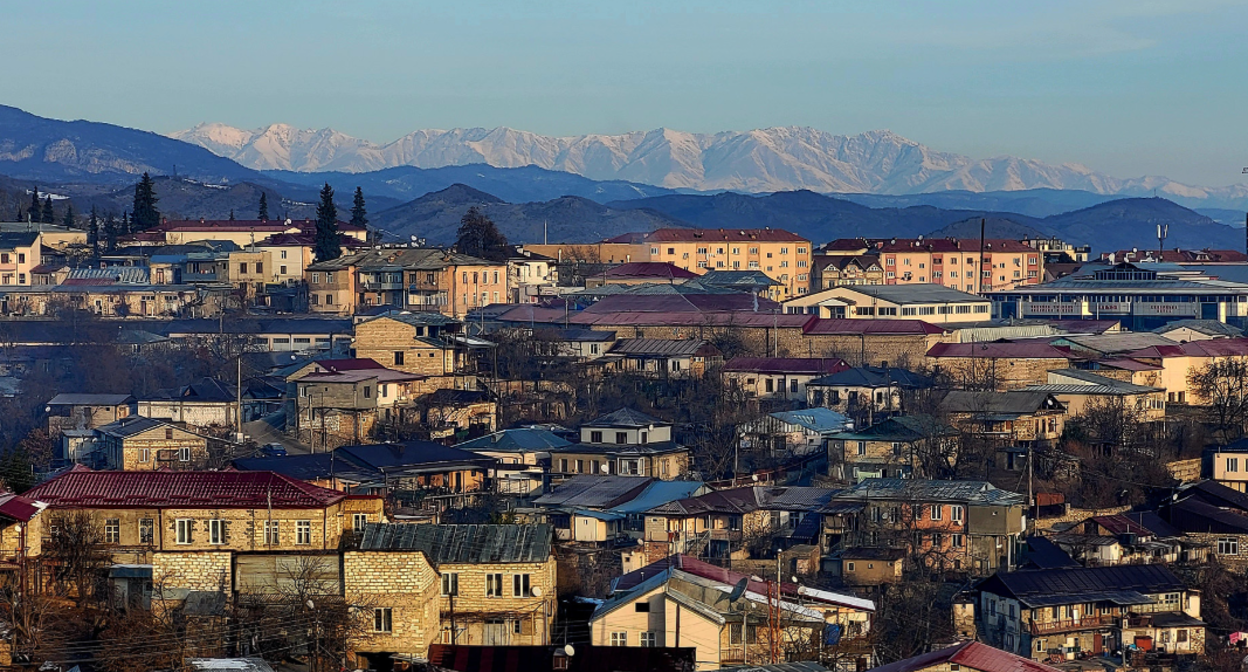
131, 425
82, 399
1115, 344
903, 428
406, 455
524, 439
1012, 402
710, 235
1120, 584
463, 544
915, 293
1033, 349
791, 365
1215, 347
658, 493
873, 376
659, 347
308, 467
83, 488
747, 280
599, 491
19, 508
648, 269
971, 654
625, 417
970, 492
750, 498
1206, 327
816, 419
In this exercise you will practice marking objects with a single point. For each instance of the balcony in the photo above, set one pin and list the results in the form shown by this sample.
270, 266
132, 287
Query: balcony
1073, 625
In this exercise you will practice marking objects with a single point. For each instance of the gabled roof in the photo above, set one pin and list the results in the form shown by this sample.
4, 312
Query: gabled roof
1080, 381
132, 425
1118, 584
522, 440
1033, 349
744, 280
973, 655
873, 376
924, 490
902, 428
1114, 344
308, 467
398, 457
1207, 327
815, 419
749, 498
1012, 402
204, 390
83, 488
625, 417
80, 399
910, 294
463, 544
648, 269
1215, 347
662, 347
352, 364
19, 508
787, 365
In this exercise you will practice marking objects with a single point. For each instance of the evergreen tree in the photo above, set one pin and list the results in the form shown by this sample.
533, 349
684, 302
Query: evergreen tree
48, 215
123, 227
263, 215
93, 233
69, 221
111, 230
358, 211
327, 246
35, 212
231, 214
478, 237
145, 213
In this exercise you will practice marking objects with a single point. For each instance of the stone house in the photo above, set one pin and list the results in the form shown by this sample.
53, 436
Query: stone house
70, 410
495, 583
1000, 365
906, 446
662, 358
21, 529
959, 526
520, 455
1080, 390
418, 279
1213, 515
624, 442
682, 602
340, 407
417, 343
1032, 418
190, 524
1056, 614
458, 413
204, 403
865, 392
779, 377
136, 443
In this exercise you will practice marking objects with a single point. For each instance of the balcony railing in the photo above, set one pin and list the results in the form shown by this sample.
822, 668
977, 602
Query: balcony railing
1073, 625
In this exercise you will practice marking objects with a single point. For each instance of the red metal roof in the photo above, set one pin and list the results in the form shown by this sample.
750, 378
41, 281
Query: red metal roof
1217, 347
649, 269
18, 507
1011, 349
809, 365
725, 318
834, 327
703, 235
81, 488
355, 364
974, 655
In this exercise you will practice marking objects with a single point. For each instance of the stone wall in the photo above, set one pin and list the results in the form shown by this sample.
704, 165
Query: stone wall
404, 583
472, 605
205, 570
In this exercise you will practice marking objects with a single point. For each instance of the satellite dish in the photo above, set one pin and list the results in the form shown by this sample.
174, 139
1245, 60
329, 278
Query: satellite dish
537, 592
738, 590
755, 477
569, 650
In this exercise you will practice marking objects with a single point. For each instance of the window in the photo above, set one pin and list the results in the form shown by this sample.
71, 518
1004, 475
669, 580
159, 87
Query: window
641, 607
450, 583
303, 532
145, 454
621, 437
358, 521
956, 513
368, 392
272, 532
896, 449
649, 639
242, 268
958, 541
1228, 546
493, 585
937, 511
184, 454
216, 531
595, 437
184, 528
619, 639
147, 531
1232, 464
849, 566
168, 433
519, 585
398, 358
862, 447
383, 619
112, 531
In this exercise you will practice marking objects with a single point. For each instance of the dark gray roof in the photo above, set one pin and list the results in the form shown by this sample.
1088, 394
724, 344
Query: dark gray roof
972, 492
738, 279
595, 491
625, 417
658, 347
873, 376
902, 428
462, 544
524, 439
11, 240
1118, 584
408, 456
420, 319
1207, 327
1015, 402
76, 399
129, 426
1079, 381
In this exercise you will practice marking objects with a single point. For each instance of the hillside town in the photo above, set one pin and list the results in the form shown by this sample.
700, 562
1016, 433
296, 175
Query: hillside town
294, 444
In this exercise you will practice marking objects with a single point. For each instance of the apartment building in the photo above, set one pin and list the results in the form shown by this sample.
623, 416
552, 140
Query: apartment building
1006, 264
785, 257
422, 279
19, 254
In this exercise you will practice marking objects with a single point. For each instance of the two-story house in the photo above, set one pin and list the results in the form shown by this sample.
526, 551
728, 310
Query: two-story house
1058, 614
339, 407
905, 446
865, 393
137, 443
779, 377
1014, 418
625, 442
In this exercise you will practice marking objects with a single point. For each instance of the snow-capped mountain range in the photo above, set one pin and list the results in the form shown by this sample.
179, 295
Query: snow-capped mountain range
763, 160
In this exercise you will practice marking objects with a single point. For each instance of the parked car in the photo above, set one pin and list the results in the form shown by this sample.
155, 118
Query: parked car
273, 450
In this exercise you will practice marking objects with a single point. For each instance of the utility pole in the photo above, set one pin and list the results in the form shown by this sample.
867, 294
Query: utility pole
238, 403
979, 263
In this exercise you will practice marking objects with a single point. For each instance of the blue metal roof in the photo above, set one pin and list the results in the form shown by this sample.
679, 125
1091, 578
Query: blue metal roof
526, 439
658, 493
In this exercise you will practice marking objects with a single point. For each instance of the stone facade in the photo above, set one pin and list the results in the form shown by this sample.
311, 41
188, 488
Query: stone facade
402, 582
204, 570
517, 619
397, 345
164, 446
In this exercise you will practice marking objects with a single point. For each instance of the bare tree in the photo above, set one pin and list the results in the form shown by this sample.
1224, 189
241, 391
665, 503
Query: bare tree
77, 557
1223, 386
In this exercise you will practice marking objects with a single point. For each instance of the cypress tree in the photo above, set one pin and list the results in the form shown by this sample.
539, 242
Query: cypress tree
145, 213
358, 211
231, 214
49, 216
110, 232
93, 233
35, 212
327, 246
69, 221
263, 214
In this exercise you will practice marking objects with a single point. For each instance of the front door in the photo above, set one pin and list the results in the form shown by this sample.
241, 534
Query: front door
1098, 644
495, 633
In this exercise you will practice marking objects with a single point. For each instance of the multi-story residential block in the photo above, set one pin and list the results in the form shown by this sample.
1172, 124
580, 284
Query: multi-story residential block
785, 257
419, 279
965, 526
529, 274
1005, 264
839, 270
1061, 613
625, 442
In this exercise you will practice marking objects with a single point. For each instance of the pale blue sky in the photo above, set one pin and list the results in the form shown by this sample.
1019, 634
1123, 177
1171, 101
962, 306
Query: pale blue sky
1129, 87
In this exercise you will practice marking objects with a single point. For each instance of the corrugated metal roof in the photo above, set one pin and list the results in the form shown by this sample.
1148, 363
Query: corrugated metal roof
648, 269
525, 439
1037, 349
83, 488
625, 417
1012, 402
658, 347
974, 655
595, 491
76, 399
915, 293
795, 365
1120, 584
971, 492
462, 544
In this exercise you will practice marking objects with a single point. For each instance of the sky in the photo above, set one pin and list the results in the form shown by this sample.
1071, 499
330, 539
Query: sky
1127, 87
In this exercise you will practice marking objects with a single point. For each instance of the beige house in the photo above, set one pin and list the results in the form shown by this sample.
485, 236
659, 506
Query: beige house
682, 602
930, 303
1228, 465
1079, 390
137, 443
412, 342
20, 253
626, 443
